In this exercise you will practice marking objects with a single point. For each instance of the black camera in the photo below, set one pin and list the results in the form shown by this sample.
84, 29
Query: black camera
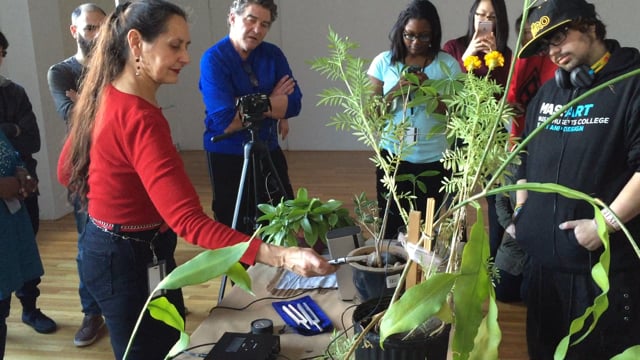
253, 106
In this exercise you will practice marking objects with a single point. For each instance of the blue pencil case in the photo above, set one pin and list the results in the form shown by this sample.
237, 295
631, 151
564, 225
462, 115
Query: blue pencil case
303, 315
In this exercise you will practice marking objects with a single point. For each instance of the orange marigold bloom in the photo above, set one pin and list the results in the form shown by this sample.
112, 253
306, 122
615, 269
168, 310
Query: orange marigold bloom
471, 63
494, 59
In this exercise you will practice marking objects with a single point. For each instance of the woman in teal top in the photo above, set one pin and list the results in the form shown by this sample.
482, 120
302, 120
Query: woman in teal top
415, 42
19, 257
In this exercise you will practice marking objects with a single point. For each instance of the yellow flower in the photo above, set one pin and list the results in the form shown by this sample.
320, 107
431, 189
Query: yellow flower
471, 63
494, 59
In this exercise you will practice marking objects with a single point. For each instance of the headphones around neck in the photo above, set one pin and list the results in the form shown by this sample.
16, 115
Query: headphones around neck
581, 77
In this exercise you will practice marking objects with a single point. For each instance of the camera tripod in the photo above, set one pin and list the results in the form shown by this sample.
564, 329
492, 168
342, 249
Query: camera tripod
256, 157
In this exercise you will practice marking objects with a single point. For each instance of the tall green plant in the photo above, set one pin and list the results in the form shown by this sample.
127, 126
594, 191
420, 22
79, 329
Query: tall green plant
478, 113
367, 115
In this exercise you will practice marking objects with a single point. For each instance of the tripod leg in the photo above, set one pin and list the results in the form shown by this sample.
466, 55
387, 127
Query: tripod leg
236, 212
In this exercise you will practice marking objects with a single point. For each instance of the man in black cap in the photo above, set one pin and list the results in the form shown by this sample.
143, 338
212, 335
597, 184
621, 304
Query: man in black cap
593, 147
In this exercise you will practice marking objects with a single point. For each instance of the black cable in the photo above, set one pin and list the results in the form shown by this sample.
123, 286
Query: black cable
278, 298
187, 351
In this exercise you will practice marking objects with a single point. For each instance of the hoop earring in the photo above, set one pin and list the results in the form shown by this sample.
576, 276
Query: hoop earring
137, 66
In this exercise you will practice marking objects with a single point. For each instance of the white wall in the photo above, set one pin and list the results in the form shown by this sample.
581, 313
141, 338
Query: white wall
38, 33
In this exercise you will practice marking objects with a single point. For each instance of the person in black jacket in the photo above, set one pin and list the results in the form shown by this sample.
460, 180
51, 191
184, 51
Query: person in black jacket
18, 123
593, 147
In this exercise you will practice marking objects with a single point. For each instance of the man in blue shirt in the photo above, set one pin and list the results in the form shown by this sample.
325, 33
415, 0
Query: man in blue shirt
242, 64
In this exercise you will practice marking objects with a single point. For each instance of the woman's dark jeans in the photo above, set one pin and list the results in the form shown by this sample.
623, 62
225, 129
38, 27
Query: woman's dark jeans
114, 271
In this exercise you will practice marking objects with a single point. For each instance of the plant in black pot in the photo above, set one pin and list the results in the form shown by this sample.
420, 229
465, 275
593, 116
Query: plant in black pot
453, 293
302, 221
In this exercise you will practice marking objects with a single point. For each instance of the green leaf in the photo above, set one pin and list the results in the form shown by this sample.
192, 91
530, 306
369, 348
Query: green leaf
204, 267
179, 346
162, 310
240, 277
632, 353
489, 335
472, 288
600, 274
416, 305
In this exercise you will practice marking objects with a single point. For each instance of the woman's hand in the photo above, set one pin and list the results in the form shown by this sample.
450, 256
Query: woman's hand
480, 44
28, 185
302, 261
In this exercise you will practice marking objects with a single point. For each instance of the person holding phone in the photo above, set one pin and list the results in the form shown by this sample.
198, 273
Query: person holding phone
488, 30
479, 41
415, 48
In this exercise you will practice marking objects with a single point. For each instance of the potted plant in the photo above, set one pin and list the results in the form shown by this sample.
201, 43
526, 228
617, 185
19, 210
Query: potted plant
368, 117
302, 220
462, 294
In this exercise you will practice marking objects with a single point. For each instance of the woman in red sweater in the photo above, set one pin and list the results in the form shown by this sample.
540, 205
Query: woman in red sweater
119, 159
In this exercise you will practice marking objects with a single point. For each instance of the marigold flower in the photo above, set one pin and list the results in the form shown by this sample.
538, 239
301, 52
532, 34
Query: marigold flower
494, 59
471, 63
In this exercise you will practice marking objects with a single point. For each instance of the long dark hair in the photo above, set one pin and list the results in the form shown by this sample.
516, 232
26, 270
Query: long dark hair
419, 10
111, 53
502, 24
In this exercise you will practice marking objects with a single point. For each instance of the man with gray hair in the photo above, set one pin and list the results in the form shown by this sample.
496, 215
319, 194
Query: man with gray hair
64, 81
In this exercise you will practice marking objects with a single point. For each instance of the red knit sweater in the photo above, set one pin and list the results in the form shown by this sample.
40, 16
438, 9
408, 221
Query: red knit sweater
137, 177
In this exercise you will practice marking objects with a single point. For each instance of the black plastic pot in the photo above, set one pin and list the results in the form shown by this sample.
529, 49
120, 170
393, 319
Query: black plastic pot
395, 348
377, 282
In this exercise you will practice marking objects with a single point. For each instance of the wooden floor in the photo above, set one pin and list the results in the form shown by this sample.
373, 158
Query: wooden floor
337, 175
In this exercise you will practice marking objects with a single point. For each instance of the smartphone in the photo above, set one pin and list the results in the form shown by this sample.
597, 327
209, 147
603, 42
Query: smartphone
414, 69
484, 28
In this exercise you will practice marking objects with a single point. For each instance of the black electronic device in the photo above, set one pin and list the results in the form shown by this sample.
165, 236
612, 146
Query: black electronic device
253, 106
262, 326
243, 346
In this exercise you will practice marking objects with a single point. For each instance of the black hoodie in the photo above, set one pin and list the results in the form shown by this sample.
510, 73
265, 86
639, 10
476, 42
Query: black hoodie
594, 147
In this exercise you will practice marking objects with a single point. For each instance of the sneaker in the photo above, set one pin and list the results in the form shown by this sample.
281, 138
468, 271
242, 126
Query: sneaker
39, 321
89, 330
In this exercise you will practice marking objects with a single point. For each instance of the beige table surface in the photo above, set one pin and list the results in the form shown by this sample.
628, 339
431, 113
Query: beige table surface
293, 345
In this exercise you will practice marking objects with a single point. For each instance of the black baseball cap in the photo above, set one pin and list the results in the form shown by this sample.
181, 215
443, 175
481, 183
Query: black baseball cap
549, 15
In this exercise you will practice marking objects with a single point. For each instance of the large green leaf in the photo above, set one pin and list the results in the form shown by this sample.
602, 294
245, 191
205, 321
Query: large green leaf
489, 335
416, 305
471, 290
632, 353
600, 275
204, 267
161, 309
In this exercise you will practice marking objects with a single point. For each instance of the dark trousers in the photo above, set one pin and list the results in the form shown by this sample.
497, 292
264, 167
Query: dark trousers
27, 294
554, 299
88, 303
225, 173
496, 231
432, 183
114, 271
31, 203
5, 305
